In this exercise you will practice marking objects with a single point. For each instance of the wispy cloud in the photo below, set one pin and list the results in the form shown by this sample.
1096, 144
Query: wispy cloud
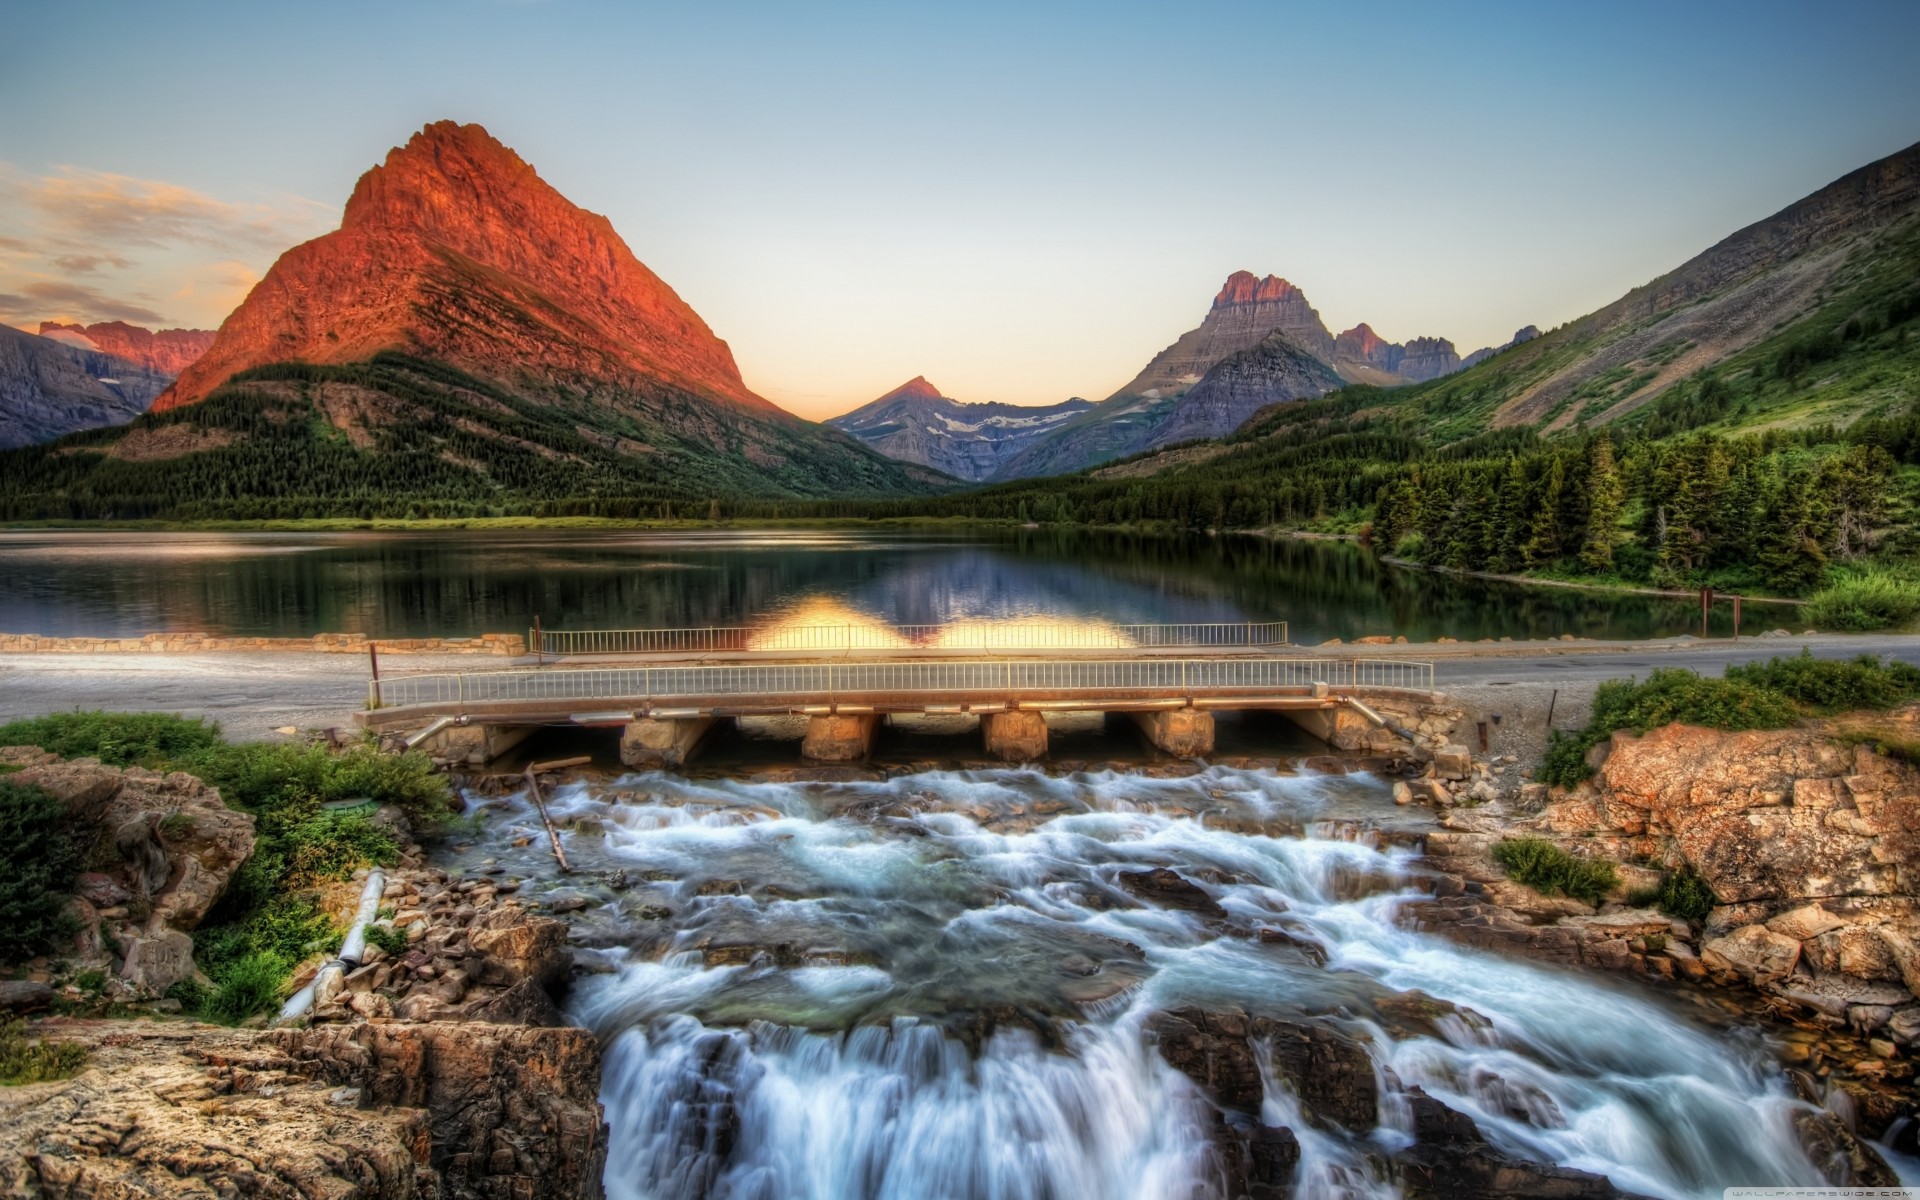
101, 209
81, 244
87, 264
46, 299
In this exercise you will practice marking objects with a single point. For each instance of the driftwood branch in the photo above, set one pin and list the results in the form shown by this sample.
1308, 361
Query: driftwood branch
539, 802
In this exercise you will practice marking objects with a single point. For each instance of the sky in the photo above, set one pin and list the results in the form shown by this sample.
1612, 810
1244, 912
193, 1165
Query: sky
1022, 202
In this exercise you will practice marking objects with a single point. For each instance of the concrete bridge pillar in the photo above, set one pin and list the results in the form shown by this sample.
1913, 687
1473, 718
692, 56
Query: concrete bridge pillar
1181, 732
477, 745
662, 741
841, 737
1017, 736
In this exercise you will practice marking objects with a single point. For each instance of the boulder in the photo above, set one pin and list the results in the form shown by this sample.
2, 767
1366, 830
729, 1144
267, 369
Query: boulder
1169, 889
1451, 1160
1331, 1075
1753, 952
164, 848
1805, 923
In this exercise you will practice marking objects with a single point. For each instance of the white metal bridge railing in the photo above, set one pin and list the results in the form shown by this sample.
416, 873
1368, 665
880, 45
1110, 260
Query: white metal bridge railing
969, 636
830, 681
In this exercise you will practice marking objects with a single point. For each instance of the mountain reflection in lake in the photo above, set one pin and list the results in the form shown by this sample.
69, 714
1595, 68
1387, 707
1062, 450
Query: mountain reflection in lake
468, 582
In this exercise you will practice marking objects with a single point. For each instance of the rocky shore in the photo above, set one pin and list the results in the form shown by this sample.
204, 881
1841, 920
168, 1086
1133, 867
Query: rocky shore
1804, 842
441, 1070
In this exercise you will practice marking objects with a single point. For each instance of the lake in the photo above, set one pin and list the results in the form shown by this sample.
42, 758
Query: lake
456, 583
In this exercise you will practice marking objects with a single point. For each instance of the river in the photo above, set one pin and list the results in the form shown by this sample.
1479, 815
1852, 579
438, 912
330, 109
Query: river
945, 984
460, 583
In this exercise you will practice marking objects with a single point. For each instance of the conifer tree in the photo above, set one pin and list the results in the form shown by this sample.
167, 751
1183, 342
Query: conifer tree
1603, 496
1543, 537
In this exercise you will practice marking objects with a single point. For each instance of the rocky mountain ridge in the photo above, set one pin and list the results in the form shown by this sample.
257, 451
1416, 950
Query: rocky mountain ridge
970, 441
467, 337
50, 388
163, 352
454, 248
1177, 398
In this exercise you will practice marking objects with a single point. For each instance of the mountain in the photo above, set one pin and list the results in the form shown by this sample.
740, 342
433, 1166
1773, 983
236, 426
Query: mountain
468, 337
1273, 372
1481, 355
168, 352
915, 423
49, 388
1838, 251
1244, 312
1748, 421
1157, 407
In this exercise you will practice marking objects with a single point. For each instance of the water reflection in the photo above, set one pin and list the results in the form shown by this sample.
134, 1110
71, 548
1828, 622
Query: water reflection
1082, 584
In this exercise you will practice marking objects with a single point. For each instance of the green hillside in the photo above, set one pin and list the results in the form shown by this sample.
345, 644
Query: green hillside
402, 436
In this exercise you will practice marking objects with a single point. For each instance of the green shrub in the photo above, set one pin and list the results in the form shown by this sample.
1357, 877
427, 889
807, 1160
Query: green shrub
1551, 871
38, 862
1874, 600
391, 941
1669, 695
118, 739
247, 987
333, 845
1685, 895
24, 1060
1833, 685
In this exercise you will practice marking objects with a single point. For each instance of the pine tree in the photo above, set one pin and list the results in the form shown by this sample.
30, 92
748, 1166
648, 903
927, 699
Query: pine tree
1603, 495
1543, 538
1510, 518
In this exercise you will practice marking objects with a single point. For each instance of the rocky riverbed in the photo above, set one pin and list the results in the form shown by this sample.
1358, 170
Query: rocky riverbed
1230, 980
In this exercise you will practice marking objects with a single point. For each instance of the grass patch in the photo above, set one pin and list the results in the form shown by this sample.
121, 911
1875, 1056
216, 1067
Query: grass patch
267, 922
247, 987
1551, 871
35, 1060
1874, 599
38, 862
117, 739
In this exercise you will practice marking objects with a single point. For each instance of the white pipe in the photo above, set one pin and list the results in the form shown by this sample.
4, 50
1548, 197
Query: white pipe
353, 948
415, 740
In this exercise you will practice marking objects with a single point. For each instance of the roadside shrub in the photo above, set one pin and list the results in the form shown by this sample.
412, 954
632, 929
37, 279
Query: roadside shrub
117, 739
1875, 600
1551, 871
25, 1060
1834, 685
38, 862
1669, 695
285, 784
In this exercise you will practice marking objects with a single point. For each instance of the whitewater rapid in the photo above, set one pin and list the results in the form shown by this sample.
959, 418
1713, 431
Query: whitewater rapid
936, 986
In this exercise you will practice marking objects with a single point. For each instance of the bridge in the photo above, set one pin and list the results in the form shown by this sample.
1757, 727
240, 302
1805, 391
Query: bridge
664, 710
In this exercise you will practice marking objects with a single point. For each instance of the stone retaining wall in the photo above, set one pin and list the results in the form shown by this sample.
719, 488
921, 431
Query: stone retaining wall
511, 645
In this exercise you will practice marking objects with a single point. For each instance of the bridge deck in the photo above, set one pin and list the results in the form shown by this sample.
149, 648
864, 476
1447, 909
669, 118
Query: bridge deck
608, 694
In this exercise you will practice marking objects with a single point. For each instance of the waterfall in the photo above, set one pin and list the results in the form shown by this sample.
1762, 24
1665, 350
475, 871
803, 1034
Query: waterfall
940, 985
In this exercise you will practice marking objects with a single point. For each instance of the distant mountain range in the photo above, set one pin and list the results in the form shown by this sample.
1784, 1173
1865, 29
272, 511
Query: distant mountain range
1261, 343
54, 385
915, 423
467, 337
167, 352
